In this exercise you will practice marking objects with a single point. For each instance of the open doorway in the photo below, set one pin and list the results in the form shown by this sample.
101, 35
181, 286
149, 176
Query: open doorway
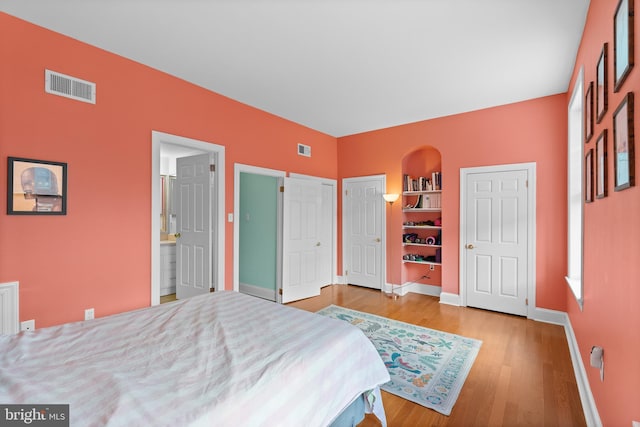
257, 231
257, 192
162, 142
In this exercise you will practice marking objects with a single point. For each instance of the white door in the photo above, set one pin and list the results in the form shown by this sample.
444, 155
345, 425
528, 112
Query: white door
496, 248
362, 222
325, 255
302, 204
194, 181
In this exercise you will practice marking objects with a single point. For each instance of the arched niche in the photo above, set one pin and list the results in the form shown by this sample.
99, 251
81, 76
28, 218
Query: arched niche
423, 277
423, 160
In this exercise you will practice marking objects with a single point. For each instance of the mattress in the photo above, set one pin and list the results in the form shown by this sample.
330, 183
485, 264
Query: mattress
223, 359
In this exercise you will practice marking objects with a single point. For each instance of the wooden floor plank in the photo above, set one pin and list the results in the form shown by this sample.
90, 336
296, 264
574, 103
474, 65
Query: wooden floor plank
522, 376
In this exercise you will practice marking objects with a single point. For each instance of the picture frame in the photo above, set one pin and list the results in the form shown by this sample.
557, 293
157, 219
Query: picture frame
622, 42
601, 165
588, 176
36, 187
602, 80
623, 144
588, 113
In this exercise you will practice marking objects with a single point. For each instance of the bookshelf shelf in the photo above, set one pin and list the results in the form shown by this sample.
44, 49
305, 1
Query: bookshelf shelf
421, 244
421, 210
406, 261
421, 207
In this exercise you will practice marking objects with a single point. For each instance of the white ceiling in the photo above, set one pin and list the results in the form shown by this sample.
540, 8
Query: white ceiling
338, 66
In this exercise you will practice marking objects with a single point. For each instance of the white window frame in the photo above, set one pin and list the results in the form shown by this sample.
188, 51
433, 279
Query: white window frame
575, 192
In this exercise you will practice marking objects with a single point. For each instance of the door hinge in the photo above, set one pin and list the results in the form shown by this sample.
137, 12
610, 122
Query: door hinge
526, 183
346, 192
282, 188
280, 291
212, 168
526, 301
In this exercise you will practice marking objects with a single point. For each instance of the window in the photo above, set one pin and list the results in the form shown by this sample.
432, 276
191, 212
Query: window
575, 191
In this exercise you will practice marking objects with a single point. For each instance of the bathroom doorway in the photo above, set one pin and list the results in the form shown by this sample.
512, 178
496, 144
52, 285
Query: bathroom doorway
170, 146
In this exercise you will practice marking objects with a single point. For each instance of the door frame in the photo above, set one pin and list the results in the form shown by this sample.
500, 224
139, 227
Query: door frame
334, 218
530, 168
256, 170
383, 237
217, 211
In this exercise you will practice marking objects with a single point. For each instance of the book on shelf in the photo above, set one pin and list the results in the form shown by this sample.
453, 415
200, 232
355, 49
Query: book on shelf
426, 201
421, 183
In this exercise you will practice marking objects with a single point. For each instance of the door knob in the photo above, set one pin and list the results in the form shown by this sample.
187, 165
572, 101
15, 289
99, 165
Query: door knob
177, 235
469, 246
378, 240
318, 244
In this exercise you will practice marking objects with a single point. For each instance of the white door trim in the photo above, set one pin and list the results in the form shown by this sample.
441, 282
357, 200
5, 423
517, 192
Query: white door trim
531, 228
345, 222
239, 168
157, 138
334, 219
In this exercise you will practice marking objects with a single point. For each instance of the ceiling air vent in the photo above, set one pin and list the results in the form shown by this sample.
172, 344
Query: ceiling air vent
69, 87
304, 150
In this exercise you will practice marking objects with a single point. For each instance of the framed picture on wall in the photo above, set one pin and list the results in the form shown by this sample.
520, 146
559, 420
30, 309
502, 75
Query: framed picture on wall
588, 113
623, 152
601, 165
622, 42
36, 187
588, 176
601, 84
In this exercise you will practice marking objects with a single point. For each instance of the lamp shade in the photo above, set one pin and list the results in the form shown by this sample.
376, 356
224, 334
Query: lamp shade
391, 197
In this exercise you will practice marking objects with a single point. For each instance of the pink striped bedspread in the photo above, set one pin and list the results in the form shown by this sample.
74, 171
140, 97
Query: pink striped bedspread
223, 359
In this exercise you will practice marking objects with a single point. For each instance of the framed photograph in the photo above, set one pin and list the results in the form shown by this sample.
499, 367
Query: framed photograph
623, 144
588, 176
36, 187
601, 165
601, 84
622, 42
588, 113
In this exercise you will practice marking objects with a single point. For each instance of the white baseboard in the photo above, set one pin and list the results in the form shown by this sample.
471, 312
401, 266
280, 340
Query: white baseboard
591, 414
257, 291
340, 280
550, 316
423, 289
450, 299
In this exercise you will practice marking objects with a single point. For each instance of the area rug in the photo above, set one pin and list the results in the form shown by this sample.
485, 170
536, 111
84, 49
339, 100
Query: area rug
427, 367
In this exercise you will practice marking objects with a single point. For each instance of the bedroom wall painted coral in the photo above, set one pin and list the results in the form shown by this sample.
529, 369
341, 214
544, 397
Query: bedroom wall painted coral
611, 317
531, 131
98, 255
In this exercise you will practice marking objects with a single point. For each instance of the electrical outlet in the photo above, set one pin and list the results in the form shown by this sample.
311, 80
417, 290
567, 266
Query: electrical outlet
28, 325
635, 423
89, 314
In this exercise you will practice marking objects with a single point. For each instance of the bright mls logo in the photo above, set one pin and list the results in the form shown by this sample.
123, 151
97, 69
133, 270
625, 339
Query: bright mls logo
34, 415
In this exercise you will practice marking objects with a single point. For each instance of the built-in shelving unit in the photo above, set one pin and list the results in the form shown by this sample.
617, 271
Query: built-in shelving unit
422, 220
421, 203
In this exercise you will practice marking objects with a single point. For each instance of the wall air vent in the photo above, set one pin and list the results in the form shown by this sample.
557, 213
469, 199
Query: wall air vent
304, 150
69, 87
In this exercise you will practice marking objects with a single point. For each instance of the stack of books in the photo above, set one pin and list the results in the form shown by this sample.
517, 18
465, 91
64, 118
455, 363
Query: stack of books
426, 201
422, 183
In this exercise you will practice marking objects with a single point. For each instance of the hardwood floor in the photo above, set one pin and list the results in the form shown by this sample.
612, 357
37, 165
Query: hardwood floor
168, 298
522, 376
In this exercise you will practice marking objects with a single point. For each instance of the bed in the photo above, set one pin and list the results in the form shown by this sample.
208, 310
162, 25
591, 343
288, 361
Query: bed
223, 359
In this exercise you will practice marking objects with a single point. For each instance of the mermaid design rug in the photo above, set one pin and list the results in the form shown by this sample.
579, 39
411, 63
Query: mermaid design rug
426, 366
